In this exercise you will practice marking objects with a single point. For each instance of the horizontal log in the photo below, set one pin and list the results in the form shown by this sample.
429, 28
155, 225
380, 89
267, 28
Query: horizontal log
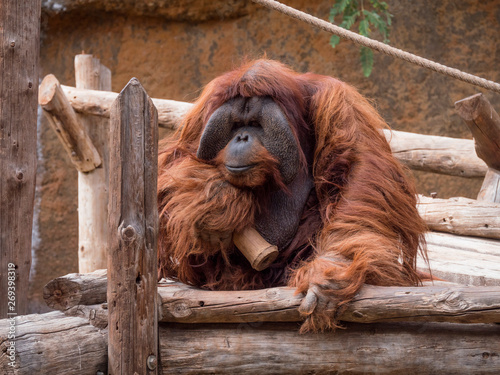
461, 216
185, 304
55, 344
96, 102
277, 348
421, 152
431, 153
463, 260
76, 289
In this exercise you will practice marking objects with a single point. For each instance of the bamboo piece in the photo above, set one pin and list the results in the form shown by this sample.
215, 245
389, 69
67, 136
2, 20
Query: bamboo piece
133, 228
255, 248
461, 216
93, 185
63, 120
484, 124
19, 57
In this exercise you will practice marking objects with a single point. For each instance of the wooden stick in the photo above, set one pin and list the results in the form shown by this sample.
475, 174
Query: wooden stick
133, 230
256, 249
93, 186
63, 120
461, 216
484, 124
19, 60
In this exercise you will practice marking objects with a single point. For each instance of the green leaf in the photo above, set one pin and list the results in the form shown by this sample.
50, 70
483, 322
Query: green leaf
364, 28
334, 40
366, 61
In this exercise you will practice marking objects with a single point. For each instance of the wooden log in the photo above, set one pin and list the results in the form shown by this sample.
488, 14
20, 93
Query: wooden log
484, 124
421, 152
461, 216
184, 304
93, 186
19, 57
463, 260
444, 155
273, 348
92, 102
133, 226
76, 289
53, 343
63, 120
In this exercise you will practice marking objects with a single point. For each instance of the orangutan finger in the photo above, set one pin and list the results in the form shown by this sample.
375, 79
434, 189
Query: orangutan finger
309, 302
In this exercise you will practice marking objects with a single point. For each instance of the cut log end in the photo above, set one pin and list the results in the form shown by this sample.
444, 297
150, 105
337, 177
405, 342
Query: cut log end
256, 249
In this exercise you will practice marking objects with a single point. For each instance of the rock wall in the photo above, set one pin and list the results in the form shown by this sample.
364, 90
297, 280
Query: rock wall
174, 47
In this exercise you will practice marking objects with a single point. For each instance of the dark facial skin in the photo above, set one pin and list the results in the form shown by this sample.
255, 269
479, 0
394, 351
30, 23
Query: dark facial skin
241, 127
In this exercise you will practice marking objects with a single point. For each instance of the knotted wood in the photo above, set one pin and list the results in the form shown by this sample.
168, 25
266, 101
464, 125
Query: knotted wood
133, 227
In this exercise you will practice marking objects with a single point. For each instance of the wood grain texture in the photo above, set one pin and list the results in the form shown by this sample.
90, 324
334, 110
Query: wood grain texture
93, 186
277, 348
76, 289
444, 155
463, 260
19, 60
133, 228
52, 343
461, 216
92, 102
484, 124
68, 128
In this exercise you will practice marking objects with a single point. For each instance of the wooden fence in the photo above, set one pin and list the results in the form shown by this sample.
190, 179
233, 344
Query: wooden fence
108, 321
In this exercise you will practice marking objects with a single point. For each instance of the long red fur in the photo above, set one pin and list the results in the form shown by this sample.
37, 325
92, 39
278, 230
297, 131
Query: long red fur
363, 209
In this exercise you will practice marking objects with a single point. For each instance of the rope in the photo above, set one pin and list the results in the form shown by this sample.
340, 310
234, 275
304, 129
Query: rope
379, 46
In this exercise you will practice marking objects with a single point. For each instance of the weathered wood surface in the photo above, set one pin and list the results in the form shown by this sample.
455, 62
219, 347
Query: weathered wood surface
277, 348
184, 304
422, 152
93, 186
76, 289
53, 343
463, 260
451, 156
19, 56
133, 228
461, 216
484, 124
69, 130
92, 102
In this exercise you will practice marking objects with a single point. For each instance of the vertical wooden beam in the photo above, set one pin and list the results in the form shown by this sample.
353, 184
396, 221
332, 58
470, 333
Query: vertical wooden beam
133, 226
19, 56
93, 186
484, 124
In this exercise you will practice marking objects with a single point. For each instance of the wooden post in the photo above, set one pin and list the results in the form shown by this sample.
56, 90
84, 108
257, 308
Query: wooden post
19, 55
133, 226
484, 124
93, 186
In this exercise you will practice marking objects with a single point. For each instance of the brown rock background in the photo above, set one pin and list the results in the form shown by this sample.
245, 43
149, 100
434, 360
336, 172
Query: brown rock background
174, 47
